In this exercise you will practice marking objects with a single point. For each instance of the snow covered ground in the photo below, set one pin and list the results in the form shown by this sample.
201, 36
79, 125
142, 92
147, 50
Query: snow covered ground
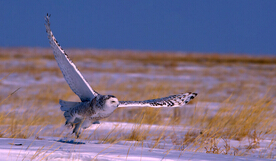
51, 149
60, 148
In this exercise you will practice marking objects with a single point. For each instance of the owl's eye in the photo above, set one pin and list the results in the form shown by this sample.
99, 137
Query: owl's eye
112, 101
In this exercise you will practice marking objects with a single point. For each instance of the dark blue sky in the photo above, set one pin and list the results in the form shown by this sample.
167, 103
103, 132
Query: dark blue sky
221, 26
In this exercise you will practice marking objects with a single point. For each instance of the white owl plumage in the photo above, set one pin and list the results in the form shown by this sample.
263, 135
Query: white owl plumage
94, 106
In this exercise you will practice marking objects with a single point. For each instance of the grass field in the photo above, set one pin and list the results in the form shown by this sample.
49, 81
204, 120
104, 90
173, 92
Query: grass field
234, 112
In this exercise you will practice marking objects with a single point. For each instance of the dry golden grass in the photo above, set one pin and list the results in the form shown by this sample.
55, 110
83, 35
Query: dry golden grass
236, 121
146, 57
243, 86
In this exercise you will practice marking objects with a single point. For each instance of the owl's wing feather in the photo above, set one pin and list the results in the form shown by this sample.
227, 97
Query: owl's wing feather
69, 70
170, 101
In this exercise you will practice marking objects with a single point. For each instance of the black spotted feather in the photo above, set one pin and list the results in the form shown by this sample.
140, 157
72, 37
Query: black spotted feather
170, 101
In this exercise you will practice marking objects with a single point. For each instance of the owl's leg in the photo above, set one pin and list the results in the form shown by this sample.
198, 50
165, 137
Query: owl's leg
77, 130
69, 119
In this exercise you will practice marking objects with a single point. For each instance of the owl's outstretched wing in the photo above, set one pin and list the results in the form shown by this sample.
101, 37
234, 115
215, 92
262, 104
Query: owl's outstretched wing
69, 70
170, 101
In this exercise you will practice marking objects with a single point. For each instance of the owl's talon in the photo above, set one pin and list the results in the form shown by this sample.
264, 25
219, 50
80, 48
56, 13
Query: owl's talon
69, 125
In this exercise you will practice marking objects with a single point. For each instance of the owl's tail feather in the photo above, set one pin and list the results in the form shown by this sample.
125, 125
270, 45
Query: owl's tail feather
67, 105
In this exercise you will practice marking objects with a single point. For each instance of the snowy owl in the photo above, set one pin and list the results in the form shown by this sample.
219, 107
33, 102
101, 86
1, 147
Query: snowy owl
94, 106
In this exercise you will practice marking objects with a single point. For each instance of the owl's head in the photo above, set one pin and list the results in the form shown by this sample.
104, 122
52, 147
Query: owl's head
111, 102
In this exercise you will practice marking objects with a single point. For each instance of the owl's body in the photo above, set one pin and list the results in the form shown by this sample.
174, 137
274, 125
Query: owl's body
84, 114
94, 106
